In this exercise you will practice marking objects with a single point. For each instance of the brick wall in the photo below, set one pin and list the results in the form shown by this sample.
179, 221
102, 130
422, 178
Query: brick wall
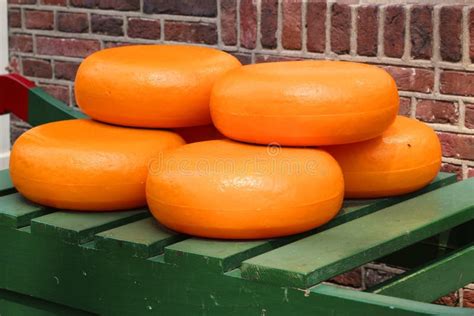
428, 48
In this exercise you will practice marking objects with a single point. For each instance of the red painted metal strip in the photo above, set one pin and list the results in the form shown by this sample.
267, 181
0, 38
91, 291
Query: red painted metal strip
14, 95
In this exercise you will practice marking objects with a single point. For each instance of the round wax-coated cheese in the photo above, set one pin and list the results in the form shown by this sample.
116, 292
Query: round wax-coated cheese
231, 190
163, 86
86, 165
404, 159
304, 103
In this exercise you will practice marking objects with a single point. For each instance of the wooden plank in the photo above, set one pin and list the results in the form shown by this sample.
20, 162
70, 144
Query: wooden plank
432, 280
98, 282
80, 227
144, 238
316, 258
17, 304
16, 211
221, 255
44, 108
215, 255
6, 185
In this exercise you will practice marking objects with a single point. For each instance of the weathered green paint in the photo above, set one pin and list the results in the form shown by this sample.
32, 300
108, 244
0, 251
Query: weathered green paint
44, 108
6, 185
438, 278
222, 255
16, 211
80, 276
80, 227
144, 238
316, 258
21, 305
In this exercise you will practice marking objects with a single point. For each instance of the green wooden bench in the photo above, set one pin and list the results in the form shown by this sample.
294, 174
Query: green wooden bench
126, 263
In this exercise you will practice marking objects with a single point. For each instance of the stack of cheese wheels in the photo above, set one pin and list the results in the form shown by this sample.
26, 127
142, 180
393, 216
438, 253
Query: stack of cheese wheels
91, 166
227, 189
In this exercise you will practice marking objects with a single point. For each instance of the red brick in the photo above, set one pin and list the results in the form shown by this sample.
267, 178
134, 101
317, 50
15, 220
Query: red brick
341, 28
37, 68
457, 145
367, 30
191, 32
471, 34
14, 18
291, 34
450, 33
470, 174
394, 31
316, 26
110, 44
71, 47
421, 30
456, 82
55, 2
107, 24
412, 79
181, 7
450, 168
144, 28
58, 91
83, 3
448, 300
405, 107
20, 43
229, 22
65, 70
269, 23
469, 121
72, 22
248, 23
352, 278
433, 111
120, 5
259, 58
468, 296
377, 276
39, 19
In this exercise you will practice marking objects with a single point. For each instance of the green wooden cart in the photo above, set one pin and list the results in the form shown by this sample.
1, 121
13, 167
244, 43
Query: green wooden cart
54, 262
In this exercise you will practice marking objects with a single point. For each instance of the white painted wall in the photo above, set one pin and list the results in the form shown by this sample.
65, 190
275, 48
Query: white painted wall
4, 119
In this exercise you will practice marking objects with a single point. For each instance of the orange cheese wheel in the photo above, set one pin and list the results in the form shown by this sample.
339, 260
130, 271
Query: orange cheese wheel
303, 103
151, 85
198, 133
231, 190
86, 165
405, 158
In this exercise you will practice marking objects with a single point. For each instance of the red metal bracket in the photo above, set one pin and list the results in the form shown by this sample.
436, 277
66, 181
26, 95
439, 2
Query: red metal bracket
14, 95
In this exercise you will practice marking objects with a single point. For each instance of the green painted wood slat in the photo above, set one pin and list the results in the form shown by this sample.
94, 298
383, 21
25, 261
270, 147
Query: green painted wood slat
317, 258
6, 185
144, 238
222, 255
44, 108
16, 211
438, 278
80, 227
